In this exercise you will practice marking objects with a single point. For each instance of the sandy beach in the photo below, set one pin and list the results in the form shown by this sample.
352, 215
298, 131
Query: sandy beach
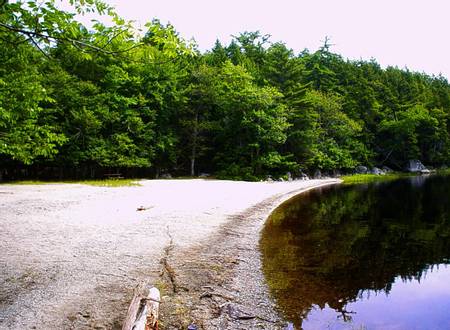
71, 254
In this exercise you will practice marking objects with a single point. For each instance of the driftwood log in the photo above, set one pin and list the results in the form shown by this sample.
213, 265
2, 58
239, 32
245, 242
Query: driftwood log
144, 309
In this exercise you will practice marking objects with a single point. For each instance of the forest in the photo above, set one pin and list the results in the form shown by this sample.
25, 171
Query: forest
79, 102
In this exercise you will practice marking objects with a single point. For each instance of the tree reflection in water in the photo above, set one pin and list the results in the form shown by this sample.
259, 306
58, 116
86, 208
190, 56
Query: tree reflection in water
335, 245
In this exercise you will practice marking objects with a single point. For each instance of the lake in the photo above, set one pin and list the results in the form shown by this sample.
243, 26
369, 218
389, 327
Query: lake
369, 256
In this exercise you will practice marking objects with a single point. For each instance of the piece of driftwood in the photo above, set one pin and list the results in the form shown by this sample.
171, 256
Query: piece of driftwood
144, 309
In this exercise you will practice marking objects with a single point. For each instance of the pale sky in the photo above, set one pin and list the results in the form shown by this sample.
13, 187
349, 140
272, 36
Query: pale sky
409, 33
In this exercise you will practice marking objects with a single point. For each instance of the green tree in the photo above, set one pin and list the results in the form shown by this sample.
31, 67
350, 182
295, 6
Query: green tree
254, 124
324, 136
198, 115
417, 134
25, 134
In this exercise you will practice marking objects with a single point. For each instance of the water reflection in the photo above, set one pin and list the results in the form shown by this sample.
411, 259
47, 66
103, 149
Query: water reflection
340, 257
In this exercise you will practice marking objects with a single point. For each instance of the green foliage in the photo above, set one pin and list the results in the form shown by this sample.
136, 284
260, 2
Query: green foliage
97, 183
418, 133
325, 136
25, 134
253, 122
104, 97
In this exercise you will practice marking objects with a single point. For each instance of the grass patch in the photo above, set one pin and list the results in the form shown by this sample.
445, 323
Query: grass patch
97, 183
445, 171
368, 178
112, 183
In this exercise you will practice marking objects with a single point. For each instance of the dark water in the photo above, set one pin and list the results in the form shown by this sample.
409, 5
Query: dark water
363, 257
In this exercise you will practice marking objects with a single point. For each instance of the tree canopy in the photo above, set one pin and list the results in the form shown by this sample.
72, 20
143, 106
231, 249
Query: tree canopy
78, 101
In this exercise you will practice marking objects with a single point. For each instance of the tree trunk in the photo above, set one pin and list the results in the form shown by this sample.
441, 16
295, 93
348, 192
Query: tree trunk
194, 144
193, 156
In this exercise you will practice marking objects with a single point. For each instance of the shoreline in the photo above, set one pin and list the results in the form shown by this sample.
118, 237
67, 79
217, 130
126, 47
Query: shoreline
74, 253
220, 284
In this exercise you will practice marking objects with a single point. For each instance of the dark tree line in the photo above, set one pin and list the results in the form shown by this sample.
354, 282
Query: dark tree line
78, 102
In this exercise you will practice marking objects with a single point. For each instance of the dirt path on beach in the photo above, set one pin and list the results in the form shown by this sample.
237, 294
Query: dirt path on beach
72, 254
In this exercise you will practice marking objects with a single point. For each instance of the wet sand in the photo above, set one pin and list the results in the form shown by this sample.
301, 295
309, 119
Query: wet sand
72, 254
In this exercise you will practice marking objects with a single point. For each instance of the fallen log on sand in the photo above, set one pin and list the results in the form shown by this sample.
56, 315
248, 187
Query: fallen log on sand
144, 309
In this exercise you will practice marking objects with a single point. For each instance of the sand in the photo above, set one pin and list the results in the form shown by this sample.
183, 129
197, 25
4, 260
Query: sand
71, 254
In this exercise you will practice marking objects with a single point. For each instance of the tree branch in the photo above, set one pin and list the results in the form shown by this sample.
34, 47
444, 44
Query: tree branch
77, 43
38, 47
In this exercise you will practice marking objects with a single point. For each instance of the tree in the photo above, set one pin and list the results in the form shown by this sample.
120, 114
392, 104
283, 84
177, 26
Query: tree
198, 113
254, 124
318, 68
323, 136
25, 134
417, 134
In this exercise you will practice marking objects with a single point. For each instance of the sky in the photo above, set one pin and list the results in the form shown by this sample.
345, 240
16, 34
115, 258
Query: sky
403, 33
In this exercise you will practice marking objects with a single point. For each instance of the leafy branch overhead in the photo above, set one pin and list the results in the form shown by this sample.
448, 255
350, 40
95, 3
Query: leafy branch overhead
44, 24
